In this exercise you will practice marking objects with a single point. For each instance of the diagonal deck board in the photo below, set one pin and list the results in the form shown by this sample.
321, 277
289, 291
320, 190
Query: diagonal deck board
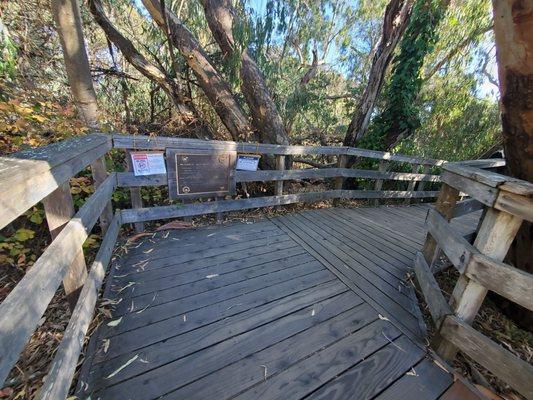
313, 304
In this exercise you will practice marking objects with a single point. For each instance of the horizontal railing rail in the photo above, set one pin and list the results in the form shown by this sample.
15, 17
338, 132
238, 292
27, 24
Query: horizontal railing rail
43, 174
29, 176
507, 202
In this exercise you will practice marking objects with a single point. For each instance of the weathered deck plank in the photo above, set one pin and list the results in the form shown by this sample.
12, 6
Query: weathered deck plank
311, 304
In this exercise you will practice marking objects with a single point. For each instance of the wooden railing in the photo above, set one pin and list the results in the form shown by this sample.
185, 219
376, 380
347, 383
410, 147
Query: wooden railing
43, 175
138, 214
507, 202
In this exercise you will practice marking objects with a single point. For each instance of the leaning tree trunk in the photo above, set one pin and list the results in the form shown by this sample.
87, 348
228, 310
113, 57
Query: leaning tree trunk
189, 115
68, 24
221, 17
513, 30
212, 84
395, 21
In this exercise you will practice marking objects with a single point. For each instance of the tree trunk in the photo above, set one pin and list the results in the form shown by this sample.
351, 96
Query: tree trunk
221, 16
395, 21
189, 114
513, 30
212, 84
68, 24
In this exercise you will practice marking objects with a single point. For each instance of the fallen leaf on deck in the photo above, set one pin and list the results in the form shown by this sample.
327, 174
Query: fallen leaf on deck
125, 287
123, 366
107, 342
137, 236
176, 224
114, 322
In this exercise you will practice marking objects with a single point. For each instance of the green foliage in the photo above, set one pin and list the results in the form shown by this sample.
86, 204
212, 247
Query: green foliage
400, 113
8, 53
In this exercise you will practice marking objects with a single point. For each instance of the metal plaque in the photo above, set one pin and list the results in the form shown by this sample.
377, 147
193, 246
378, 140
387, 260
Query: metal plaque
200, 173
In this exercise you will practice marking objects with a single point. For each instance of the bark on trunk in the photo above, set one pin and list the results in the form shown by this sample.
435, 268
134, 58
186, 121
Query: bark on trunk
212, 84
513, 30
221, 16
68, 24
189, 114
395, 21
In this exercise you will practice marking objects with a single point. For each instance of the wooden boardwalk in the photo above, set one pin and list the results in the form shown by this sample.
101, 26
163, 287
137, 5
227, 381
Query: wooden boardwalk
310, 305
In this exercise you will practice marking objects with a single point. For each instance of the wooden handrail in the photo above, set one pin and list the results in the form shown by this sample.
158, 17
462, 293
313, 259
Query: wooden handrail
188, 210
501, 362
61, 373
509, 201
29, 176
161, 143
22, 309
494, 190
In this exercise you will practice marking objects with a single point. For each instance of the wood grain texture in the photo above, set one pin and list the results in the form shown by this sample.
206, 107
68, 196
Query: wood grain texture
165, 212
425, 381
135, 195
501, 362
445, 204
160, 143
63, 367
99, 173
456, 248
216, 310
373, 374
29, 176
20, 313
509, 282
437, 304
308, 375
280, 354
482, 192
466, 207
59, 209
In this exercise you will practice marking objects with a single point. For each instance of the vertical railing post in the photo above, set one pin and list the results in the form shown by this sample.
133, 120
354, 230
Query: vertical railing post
59, 209
412, 183
379, 182
280, 166
99, 173
135, 194
219, 215
339, 181
495, 236
445, 205
426, 169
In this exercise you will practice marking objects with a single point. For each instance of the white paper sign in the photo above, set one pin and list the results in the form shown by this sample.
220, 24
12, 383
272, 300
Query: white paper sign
148, 164
247, 162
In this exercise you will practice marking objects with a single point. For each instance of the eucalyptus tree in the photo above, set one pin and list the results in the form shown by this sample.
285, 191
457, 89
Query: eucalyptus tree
396, 19
183, 104
514, 43
399, 117
68, 24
